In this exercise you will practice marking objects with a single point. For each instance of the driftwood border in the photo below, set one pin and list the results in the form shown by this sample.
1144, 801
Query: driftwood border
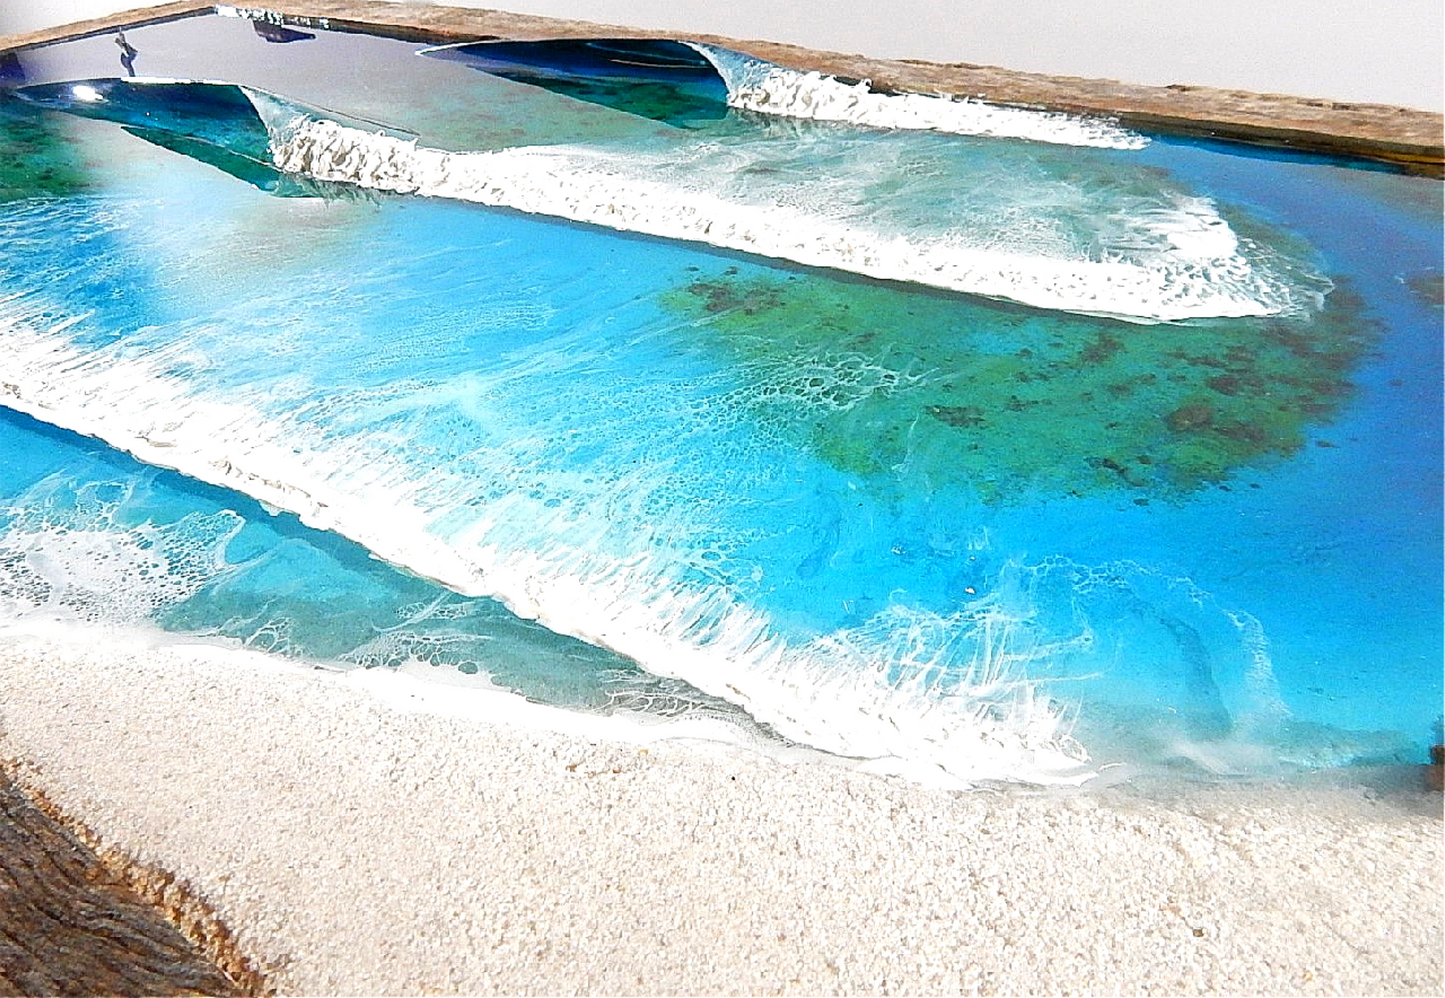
1407, 139
79, 918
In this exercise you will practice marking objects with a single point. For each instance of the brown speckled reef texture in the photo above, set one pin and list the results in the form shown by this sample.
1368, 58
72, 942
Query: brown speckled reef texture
1410, 139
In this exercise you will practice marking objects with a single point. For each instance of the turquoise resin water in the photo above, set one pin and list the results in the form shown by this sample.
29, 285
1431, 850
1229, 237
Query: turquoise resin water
816, 496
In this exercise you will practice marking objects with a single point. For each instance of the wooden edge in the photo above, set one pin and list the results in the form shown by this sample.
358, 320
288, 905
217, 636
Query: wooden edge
106, 25
1407, 139
173, 899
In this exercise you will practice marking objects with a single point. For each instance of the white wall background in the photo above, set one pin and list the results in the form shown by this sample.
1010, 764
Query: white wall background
1390, 51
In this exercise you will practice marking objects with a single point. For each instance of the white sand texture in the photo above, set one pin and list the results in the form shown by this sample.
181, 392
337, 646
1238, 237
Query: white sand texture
372, 834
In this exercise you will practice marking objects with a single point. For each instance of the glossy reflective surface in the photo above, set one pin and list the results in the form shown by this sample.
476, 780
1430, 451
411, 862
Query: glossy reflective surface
883, 518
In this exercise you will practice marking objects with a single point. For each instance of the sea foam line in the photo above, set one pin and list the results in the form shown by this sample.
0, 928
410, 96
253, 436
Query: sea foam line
767, 88
833, 693
1199, 273
268, 16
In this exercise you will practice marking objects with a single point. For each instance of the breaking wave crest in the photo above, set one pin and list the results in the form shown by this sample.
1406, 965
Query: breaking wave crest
1097, 237
919, 691
1170, 258
767, 88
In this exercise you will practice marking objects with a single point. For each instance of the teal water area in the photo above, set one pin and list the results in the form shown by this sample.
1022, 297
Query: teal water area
90, 535
1212, 546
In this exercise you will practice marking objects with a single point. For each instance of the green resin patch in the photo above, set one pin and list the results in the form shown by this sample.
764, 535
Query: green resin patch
906, 387
36, 157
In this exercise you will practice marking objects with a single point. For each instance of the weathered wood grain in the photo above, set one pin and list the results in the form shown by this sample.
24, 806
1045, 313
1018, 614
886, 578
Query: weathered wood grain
1408, 138
69, 925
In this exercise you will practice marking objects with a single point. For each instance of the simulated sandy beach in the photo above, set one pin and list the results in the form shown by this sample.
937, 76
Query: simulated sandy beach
369, 833
372, 832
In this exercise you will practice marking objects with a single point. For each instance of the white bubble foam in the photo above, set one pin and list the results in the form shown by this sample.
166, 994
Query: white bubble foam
270, 16
66, 554
841, 693
1177, 260
766, 88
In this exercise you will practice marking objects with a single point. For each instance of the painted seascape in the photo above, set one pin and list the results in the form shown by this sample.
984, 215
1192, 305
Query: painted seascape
714, 420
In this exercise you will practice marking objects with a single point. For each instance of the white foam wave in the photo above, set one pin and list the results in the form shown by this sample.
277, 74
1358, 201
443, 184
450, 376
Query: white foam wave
64, 555
767, 88
268, 16
843, 693
1194, 267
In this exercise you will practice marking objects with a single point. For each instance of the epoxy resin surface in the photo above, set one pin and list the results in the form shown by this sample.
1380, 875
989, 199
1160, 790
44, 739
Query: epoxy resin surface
997, 445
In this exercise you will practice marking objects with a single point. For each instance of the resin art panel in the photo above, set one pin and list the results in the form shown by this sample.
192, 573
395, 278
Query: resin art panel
979, 443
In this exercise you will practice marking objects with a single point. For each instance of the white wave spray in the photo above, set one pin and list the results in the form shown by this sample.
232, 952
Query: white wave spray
767, 88
1190, 266
64, 555
858, 693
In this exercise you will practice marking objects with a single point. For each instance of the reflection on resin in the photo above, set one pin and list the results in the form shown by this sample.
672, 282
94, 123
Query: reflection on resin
989, 540
216, 114
212, 123
663, 80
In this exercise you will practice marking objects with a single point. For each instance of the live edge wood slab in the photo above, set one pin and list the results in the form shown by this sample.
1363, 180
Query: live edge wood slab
73, 924
1406, 138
